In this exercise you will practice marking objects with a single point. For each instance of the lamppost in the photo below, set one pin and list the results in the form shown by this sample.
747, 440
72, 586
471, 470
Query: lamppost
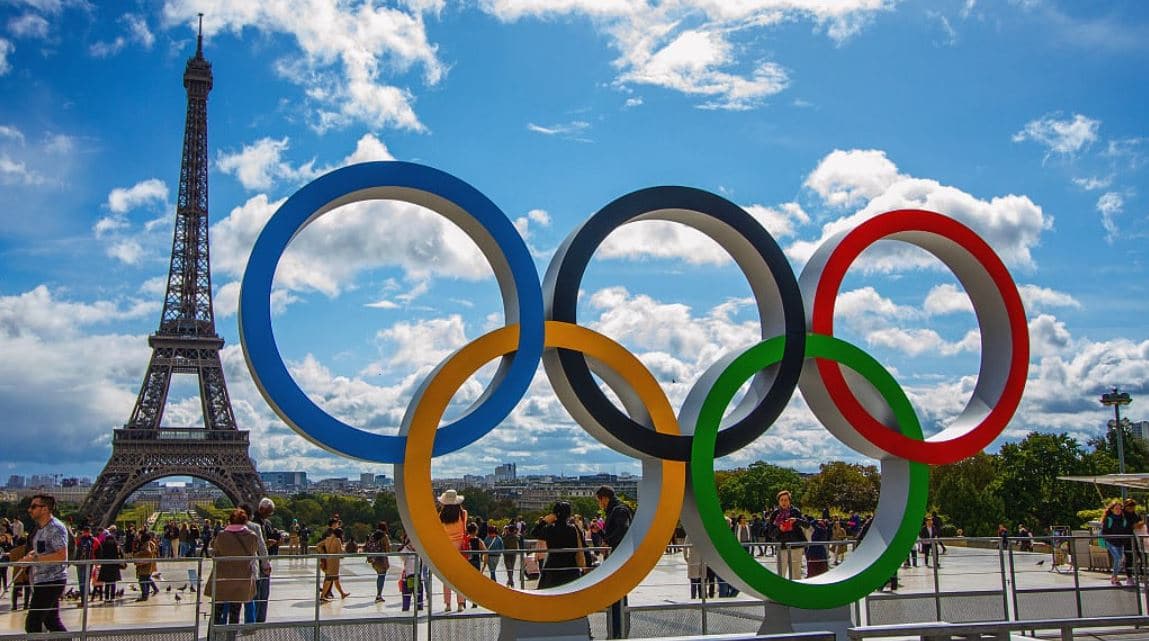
1117, 399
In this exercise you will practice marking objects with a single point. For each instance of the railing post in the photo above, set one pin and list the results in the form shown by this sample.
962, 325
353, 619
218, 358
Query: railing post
198, 596
937, 580
415, 597
1077, 576
318, 588
85, 598
1012, 577
1005, 592
702, 587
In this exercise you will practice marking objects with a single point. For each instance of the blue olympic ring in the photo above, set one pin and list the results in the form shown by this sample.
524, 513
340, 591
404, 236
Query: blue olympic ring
446, 195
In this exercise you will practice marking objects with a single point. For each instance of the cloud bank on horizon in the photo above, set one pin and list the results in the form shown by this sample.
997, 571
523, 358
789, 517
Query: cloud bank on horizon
813, 116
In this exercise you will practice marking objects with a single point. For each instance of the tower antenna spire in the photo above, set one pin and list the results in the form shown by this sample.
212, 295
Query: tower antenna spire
199, 39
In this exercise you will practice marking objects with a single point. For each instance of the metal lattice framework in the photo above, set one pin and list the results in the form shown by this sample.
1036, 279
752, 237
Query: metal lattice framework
186, 343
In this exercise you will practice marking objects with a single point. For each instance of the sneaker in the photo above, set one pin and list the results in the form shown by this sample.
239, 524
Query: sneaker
460, 608
379, 599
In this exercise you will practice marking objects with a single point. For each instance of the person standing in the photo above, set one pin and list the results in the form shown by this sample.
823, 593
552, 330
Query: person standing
271, 537
742, 533
145, 559
110, 569
929, 537
49, 550
617, 523
377, 548
694, 568
495, 547
565, 563
333, 544
785, 524
233, 582
817, 557
86, 549
937, 523
838, 533
512, 543
1135, 553
454, 520
1115, 529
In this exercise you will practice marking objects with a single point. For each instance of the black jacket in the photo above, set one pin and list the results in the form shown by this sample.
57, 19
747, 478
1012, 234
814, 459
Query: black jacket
617, 522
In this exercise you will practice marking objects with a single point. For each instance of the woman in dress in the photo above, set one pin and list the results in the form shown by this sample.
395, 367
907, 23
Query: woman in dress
454, 520
564, 562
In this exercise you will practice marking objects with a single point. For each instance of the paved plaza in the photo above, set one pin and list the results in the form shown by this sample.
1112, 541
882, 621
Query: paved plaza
295, 580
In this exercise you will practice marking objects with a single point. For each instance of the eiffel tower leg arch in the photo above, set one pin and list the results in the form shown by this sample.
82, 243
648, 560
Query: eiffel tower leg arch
220, 459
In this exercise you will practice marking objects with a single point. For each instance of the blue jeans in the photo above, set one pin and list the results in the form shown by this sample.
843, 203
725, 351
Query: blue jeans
255, 611
380, 579
1117, 553
83, 577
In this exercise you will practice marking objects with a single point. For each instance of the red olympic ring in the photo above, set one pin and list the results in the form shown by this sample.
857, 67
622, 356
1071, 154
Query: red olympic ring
976, 427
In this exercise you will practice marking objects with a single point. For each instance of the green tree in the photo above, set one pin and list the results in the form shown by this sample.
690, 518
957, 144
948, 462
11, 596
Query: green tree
965, 494
387, 509
754, 488
850, 487
1136, 450
1028, 484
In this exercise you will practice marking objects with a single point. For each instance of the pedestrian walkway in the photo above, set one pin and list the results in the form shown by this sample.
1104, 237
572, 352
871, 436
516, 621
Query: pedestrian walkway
295, 580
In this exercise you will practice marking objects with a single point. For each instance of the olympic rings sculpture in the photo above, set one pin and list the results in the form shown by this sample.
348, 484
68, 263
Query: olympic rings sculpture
847, 390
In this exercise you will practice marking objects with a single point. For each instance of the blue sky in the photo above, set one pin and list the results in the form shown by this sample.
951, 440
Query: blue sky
1024, 120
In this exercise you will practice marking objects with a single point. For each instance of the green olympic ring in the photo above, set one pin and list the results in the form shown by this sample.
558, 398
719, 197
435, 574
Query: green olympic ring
864, 573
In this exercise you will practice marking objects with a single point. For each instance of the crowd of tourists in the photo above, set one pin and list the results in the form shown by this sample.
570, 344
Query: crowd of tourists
558, 548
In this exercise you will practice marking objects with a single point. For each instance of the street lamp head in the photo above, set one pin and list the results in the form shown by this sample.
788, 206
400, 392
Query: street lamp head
1115, 398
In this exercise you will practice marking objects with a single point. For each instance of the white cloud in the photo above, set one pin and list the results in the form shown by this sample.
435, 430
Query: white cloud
572, 130
344, 52
152, 190
128, 251
12, 133
780, 221
38, 313
915, 342
260, 165
695, 46
848, 178
1092, 183
1110, 205
14, 171
670, 240
138, 29
662, 239
1011, 224
538, 217
633, 102
1035, 297
692, 64
29, 25
6, 48
1061, 136
947, 299
59, 144
107, 49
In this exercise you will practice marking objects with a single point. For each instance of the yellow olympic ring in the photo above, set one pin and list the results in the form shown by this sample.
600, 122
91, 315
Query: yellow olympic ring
624, 569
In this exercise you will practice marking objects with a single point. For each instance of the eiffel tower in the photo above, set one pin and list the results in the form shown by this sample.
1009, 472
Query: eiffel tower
186, 343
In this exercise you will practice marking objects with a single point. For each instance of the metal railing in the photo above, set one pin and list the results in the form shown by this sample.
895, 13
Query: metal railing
986, 582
